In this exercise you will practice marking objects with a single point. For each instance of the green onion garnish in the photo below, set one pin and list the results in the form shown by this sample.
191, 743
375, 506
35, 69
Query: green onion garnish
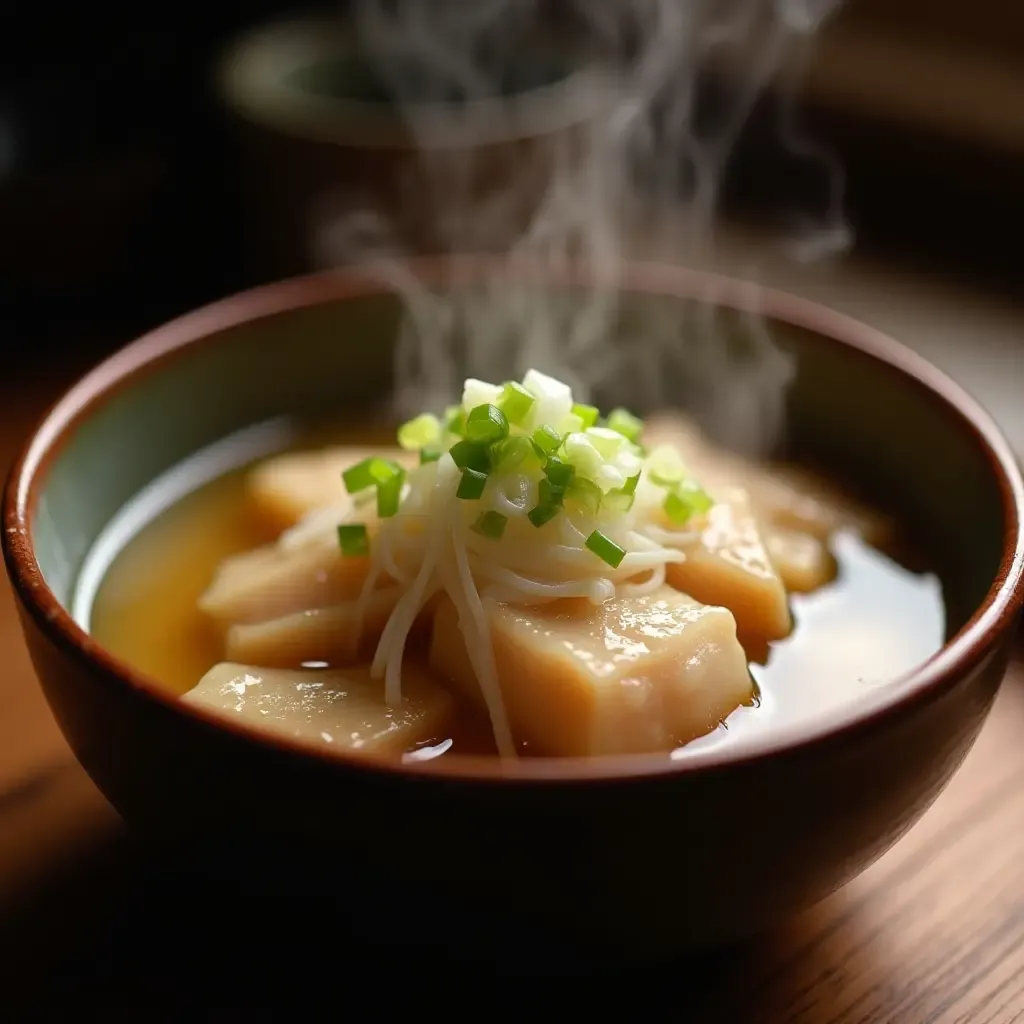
543, 514
429, 455
606, 549
384, 471
626, 424
586, 494
455, 420
685, 501
619, 500
359, 477
587, 414
512, 453
389, 495
516, 402
558, 472
472, 484
486, 424
469, 455
605, 441
371, 472
550, 494
419, 432
547, 440
353, 539
490, 525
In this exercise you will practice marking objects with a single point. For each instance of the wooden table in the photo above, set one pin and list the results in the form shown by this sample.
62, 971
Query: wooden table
933, 932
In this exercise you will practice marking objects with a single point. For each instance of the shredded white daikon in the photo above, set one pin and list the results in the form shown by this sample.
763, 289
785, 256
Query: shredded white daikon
602, 535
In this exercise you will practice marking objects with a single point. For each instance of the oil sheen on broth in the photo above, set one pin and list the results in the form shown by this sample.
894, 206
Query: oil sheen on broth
859, 618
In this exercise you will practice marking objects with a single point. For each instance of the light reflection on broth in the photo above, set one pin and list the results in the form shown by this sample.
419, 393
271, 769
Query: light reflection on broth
874, 622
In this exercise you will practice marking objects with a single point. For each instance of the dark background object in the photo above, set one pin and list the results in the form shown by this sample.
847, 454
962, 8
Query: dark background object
118, 177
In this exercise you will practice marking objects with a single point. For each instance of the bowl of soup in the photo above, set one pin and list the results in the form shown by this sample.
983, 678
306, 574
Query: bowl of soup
297, 644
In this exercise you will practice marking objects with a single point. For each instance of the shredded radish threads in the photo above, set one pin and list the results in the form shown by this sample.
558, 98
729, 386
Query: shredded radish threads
543, 505
391, 647
481, 653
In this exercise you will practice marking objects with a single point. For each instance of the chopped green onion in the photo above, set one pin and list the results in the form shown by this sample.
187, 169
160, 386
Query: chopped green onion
700, 499
472, 484
586, 494
630, 485
607, 443
429, 455
371, 472
626, 424
486, 424
685, 501
512, 453
665, 467
550, 494
619, 500
587, 415
353, 539
516, 402
547, 440
359, 477
455, 420
469, 455
580, 453
543, 514
558, 472
419, 432
490, 525
606, 549
389, 495
384, 471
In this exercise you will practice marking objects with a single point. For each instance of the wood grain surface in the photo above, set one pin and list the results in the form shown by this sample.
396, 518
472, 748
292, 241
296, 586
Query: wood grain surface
90, 919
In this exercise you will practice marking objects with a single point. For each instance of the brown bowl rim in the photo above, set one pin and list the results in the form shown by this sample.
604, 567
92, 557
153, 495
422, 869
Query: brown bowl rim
971, 645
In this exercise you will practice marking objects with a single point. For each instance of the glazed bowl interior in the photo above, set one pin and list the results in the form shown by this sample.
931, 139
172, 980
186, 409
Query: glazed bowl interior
323, 346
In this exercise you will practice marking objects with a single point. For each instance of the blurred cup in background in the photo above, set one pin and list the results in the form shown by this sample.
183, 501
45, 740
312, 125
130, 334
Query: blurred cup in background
330, 166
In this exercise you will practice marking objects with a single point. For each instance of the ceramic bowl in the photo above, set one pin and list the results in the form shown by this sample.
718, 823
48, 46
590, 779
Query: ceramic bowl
622, 856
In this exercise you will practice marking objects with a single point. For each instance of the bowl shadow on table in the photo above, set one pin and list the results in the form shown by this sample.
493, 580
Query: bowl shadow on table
129, 923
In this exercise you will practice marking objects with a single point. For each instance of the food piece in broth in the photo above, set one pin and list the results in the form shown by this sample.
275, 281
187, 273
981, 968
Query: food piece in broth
279, 580
782, 495
287, 488
341, 709
804, 562
338, 635
728, 564
633, 675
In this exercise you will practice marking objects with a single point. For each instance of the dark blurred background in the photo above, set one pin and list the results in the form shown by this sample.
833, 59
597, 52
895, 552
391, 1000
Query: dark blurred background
120, 182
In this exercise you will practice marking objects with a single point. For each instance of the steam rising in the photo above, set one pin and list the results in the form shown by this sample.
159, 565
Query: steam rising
625, 131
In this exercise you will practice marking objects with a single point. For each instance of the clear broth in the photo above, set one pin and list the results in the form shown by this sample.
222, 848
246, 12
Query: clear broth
876, 621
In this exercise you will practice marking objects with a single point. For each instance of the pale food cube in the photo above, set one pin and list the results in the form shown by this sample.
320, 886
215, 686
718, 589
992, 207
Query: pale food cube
319, 634
633, 675
287, 488
728, 564
343, 709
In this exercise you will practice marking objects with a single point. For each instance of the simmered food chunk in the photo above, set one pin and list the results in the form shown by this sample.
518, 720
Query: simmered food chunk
337, 634
803, 561
728, 564
782, 496
287, 488
278, 580
343, 709
633, 675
